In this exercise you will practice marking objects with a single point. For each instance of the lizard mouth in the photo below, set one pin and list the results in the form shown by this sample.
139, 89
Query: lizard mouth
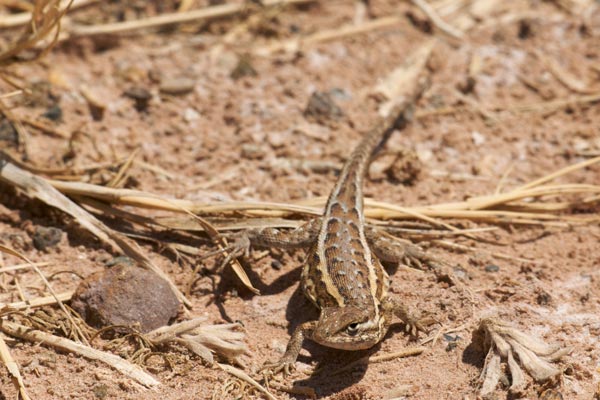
349, 343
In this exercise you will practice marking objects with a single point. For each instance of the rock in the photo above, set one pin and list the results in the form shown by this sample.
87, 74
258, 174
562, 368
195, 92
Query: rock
243, 68
140, 95
8, 133
53, 113
492, 268
44, 238
406, 168
177, 86
321, 108
126, 295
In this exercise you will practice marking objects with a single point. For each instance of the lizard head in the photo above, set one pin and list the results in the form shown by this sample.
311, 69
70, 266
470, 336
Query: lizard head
349, 328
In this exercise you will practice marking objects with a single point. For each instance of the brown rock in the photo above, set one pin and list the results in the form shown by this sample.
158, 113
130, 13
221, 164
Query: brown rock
125, 295
321, 108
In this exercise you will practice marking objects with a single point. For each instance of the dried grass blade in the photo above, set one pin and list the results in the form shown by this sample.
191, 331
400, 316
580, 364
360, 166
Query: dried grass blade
560, 172
13, 369
116, 362
221, 243
238, 373
39, 188
203, 14
15, 253
37, 302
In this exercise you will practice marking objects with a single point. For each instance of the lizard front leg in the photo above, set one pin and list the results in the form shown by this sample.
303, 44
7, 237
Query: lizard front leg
413, 321
391, 249
286, 362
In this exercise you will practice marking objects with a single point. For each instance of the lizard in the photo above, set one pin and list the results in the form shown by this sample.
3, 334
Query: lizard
342, 273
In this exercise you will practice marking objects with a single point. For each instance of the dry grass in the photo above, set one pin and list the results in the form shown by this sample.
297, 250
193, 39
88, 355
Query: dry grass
536, 203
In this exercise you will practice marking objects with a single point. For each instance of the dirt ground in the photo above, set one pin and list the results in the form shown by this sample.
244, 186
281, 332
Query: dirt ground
228, 137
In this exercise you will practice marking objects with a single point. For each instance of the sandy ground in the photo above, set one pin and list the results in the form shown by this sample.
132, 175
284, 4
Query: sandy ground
230, 139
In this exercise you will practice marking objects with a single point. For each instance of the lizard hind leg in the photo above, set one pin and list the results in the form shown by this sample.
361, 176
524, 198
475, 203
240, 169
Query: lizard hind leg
391, 249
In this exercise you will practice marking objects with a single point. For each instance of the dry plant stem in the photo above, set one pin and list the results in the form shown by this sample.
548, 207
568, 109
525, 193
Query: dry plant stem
437, 21
45, 18
23, 266
223, 339
570, 81
11, 21
46, 128
121, 365
39, 188
468, 249
15, 253
37, 302
502, 341
560, 172
238, 373
297, 44
554, 105
203, 14
13, 369
305, 391
409, 352
122, 174
222, 244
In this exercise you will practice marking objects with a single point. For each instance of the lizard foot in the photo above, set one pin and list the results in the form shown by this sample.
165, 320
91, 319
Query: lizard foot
273, 368
415, 325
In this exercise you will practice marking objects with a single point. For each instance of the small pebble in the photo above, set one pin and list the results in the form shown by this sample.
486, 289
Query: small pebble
340, 94
100, 391
406, 168
321, 107
177, 86
53, 113
141, 96
243, 68
252, 151
460, 272
45, 238
8, 133
120, 260
492, 268
189, 115
276, 265
543, 299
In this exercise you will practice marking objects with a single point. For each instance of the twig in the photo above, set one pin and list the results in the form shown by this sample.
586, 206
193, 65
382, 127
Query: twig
23, 266
37, 302
559, 173
297, 44
116, 362
409, 352
42, 190
11, 21
437, 21
238, 373
15, 253
203, 14
13, 369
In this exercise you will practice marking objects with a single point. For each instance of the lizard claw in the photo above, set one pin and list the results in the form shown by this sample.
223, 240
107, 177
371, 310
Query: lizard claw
415, 325
273, 368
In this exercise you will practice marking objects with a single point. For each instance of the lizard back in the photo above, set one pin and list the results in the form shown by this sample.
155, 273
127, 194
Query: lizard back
341, 269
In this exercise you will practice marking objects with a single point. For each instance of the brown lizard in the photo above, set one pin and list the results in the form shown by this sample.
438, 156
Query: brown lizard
342, 274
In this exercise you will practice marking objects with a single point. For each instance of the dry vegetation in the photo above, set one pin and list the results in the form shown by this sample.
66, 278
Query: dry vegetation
96, 194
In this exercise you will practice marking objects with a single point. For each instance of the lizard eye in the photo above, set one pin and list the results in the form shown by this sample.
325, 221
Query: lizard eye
352, 329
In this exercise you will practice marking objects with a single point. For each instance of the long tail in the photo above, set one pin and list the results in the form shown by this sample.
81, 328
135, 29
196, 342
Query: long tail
352, 174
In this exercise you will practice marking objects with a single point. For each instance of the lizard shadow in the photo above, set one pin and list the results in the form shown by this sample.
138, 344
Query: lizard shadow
230, 280
324, 379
